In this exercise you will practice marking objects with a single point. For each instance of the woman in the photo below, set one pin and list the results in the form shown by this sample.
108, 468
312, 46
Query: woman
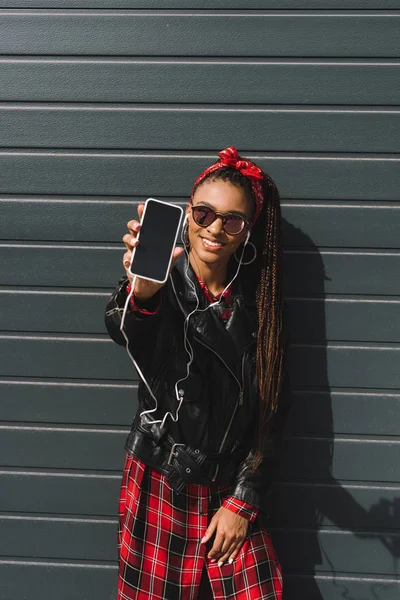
198, 465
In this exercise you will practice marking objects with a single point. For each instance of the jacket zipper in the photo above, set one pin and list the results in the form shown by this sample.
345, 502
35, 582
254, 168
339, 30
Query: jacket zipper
113, 310
238, 402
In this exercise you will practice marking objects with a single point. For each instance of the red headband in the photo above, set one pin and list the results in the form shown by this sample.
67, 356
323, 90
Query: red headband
230, 158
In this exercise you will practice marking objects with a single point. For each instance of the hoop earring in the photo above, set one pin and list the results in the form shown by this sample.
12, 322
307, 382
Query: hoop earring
249, 261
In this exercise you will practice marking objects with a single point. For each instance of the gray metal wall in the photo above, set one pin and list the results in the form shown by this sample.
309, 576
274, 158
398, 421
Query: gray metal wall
106, 102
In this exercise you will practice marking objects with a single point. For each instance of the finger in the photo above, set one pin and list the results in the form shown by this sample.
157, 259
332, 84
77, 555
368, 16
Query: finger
223, 559
209, 531
126, 259
129, 241
235, 552
225, 550
218, 546
225, 547
176, 253
133, 227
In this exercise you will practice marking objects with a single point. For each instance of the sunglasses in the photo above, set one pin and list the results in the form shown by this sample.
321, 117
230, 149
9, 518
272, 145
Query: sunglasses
231, 223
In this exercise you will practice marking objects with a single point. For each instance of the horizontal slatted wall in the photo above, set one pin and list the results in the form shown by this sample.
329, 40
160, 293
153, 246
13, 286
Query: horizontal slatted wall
105, 103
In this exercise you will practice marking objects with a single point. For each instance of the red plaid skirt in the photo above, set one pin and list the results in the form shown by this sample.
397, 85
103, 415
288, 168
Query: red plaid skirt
160, 554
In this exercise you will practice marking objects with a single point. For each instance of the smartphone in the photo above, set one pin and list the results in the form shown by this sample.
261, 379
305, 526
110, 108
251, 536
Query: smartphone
160, 225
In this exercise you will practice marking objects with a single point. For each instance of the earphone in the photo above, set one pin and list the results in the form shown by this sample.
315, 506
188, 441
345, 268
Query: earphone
187, 345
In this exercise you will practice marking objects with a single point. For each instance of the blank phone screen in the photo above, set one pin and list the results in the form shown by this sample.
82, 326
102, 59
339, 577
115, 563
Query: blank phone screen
157, 239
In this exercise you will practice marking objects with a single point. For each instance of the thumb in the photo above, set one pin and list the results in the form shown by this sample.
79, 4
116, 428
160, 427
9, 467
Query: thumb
209, 532
177, 252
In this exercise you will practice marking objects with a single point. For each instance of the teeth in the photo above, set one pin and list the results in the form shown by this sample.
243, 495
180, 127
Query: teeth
209, 243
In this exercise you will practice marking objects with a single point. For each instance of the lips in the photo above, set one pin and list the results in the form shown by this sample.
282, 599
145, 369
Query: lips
211, 244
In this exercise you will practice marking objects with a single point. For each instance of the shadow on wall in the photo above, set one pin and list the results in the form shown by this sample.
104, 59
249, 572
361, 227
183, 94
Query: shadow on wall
300, 506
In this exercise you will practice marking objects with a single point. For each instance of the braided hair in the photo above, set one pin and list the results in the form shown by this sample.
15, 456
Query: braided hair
264, 281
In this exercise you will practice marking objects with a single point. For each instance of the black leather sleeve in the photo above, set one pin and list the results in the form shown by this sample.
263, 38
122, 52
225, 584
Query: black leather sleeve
252, 486
142, 330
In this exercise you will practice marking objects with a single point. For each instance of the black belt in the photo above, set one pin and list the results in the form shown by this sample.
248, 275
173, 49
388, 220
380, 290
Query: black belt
182, 463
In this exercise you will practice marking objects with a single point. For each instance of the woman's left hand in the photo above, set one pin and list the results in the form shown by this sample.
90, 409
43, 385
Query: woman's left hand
230, 532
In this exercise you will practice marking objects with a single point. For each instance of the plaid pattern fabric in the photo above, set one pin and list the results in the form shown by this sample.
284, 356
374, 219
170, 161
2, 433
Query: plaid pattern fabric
160, 554
248, 511
224, 310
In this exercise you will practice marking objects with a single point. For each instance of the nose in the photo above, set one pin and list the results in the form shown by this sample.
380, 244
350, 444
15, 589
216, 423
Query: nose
216, 228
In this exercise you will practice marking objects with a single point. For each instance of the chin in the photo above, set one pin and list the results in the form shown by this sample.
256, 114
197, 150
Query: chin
210, 257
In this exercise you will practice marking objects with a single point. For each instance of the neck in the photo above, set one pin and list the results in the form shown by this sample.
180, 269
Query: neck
214, 276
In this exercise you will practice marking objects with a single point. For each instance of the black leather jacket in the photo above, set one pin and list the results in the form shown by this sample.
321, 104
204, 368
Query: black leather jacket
218, 416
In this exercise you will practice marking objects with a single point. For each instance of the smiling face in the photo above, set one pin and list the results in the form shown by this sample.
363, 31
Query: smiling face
211, 244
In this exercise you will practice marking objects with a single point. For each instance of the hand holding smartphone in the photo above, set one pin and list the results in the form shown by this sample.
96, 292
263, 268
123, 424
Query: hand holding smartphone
151, 246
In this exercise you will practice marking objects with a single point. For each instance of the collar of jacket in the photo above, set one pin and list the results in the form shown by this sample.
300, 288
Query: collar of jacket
227, 341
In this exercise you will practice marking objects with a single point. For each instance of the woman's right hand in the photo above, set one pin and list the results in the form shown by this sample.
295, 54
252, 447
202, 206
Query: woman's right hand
144, 289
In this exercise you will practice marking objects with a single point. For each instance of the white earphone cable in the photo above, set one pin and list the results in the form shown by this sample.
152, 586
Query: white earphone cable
187, 345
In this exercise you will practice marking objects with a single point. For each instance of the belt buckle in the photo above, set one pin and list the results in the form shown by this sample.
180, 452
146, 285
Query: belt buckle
172, 453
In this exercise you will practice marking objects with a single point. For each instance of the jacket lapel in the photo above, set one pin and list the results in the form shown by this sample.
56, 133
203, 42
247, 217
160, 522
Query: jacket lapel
208, 328
242, 326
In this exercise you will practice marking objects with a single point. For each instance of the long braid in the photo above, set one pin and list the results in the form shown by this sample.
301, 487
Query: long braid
269, 299
264, 280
